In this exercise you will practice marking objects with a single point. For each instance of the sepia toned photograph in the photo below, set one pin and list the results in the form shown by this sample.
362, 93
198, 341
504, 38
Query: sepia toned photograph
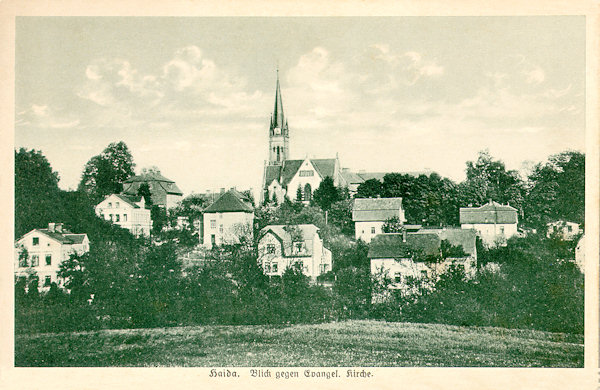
323, 192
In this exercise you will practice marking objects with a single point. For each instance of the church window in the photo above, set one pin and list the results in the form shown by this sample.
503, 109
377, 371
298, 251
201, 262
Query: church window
306, 173
307, 192
278, 153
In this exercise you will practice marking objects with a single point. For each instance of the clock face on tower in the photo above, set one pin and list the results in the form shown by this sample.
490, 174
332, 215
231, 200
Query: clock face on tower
277, 131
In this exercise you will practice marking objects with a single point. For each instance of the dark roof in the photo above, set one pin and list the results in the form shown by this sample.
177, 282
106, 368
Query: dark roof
290, 167
375, 209
129, 199
458, 237
393, 246
307, 232
231, 201
159, 186
325, 166
359, 177
491, 212
66, 237
272, 172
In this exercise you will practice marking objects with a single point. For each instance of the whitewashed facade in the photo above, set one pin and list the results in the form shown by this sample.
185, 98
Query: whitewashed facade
127, 212
563, 229
281, 247
227, 219
46, 249
370, 214
494, 223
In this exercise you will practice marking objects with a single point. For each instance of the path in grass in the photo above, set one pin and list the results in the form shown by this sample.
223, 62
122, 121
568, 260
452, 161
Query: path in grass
344, 344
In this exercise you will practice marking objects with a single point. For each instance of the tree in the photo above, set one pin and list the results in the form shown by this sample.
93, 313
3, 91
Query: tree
392, 225
326, 194
557, 190
144, 192
299, 194
371, 188
105, 173
36, 191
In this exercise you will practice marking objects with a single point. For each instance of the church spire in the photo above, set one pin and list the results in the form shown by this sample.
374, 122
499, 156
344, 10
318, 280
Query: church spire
278, 119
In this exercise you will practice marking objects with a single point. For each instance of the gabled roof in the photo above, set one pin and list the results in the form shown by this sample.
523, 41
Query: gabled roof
306, 234
457, 237
231, 201
491, 213
325, 166
375, 209
272, 172
129, 199
393, 246
66, 237
288, 171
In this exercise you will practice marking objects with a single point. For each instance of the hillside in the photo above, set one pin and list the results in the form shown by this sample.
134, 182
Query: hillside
349, 344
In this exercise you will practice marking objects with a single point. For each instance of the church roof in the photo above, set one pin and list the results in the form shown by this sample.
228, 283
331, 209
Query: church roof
272, 172
278, 119
290, 167
231, 201
325, 166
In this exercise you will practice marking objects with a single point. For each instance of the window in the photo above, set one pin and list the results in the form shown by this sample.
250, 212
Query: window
124, 217
117, 205
307, 173
221, 229
213, 223
501, 229
109, 205
324, 268
267, 268
373, 230
569, 228
398, 277
22, 261
274, 267
307, 192
298, 246
36, 241
47, 281
117, 218
270, 248
213, 239
35, 260
110, 217
48, 259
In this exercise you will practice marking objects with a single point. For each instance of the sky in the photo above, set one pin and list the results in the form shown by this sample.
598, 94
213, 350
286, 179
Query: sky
193, 96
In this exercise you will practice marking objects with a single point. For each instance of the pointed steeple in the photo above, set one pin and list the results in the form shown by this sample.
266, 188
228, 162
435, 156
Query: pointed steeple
278, 119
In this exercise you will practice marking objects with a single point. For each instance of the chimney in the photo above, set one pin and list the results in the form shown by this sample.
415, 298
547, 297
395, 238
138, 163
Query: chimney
51, 227
59, 227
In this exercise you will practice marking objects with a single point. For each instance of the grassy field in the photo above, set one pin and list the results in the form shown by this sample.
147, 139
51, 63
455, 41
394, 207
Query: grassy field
351, 344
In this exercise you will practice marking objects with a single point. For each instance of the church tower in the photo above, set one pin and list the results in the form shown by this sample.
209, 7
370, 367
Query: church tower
279, 136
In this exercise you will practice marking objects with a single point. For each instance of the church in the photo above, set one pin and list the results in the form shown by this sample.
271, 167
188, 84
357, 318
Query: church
293, 178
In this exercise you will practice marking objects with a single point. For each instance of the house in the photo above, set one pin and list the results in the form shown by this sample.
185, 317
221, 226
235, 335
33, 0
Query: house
423, 255
494, 222
42, 250
227, 219
369, 215
128, 212
580, 254
563, 229
164, 192
284, 177
281, 247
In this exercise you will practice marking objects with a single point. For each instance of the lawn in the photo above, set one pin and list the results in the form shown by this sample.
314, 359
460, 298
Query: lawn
343, 344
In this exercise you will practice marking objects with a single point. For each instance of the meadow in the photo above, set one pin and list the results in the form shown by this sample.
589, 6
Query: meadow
357, 343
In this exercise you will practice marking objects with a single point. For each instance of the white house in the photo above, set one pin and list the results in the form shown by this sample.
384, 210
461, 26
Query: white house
369, 215
128, 212
564, 229
228, 218
281, 247
494, 223
42, 250
414, 256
